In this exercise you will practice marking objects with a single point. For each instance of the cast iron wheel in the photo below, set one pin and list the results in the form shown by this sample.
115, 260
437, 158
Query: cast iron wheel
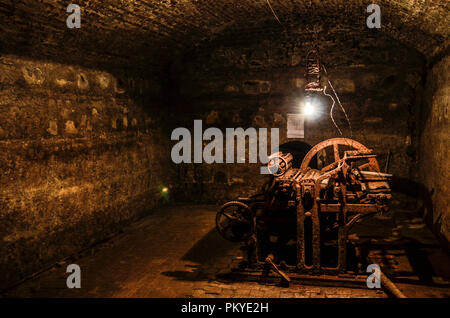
371, 165
234, 221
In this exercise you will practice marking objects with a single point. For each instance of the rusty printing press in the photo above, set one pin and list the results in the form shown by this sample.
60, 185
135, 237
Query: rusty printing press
299, 224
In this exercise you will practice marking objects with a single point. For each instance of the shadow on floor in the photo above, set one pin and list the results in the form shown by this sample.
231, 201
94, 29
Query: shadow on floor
210, 254
209, 248
423, 200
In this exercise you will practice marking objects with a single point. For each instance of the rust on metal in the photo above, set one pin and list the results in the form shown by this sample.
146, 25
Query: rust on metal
301, 220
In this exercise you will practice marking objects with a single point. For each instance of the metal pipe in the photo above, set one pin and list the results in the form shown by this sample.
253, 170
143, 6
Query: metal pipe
390, 286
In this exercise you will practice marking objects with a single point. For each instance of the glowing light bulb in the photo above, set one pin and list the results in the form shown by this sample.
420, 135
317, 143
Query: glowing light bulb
309, 109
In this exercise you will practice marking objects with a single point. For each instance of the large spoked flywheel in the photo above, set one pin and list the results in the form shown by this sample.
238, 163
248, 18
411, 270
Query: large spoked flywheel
336, 148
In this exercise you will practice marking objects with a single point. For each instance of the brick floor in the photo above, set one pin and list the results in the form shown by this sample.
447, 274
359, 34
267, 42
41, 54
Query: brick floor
176, 252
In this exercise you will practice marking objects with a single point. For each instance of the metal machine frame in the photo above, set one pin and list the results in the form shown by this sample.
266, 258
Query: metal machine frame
356, 191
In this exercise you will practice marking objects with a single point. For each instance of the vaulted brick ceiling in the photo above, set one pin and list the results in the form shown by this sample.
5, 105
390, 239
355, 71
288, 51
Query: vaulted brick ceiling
147, 32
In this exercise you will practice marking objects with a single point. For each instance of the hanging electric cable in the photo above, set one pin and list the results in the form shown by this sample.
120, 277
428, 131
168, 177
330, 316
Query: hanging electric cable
339, 103
331, 109
273, 12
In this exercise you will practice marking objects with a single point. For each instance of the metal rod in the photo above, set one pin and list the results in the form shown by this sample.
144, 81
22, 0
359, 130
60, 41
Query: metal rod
269, 261
390, 286
388, 161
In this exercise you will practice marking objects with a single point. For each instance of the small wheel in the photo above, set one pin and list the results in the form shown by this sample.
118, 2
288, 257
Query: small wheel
277, 167
234, 221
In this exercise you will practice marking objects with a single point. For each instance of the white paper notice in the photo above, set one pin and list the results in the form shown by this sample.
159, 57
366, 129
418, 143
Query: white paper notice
295, 126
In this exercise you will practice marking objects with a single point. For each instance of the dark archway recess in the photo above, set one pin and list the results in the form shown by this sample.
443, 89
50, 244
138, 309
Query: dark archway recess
298, 149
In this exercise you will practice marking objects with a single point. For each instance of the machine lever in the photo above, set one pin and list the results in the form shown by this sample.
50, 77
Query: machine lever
269, 261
